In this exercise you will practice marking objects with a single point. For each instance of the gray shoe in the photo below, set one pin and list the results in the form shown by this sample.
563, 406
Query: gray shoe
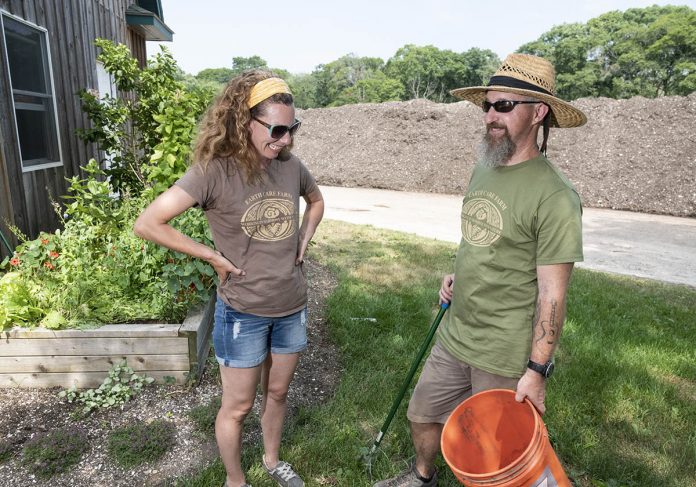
283, 474
408, 478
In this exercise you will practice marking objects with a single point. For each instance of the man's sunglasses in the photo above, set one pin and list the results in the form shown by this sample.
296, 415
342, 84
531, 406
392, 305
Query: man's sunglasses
279, 131
503, 106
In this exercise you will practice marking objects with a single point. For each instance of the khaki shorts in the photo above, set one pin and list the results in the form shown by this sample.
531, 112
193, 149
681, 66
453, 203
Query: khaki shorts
445, 382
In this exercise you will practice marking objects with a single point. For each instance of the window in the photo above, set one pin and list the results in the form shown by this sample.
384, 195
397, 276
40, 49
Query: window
31, 82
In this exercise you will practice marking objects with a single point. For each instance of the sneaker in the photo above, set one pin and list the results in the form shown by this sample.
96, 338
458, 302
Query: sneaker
283, 474
409, 478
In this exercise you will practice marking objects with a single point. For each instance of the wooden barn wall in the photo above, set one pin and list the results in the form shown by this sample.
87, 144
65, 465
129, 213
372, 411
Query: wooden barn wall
72, 26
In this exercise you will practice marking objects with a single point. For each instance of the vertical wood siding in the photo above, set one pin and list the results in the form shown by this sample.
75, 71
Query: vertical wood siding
72, 26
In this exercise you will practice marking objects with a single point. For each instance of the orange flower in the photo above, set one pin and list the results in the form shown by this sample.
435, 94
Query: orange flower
48, 265
44, 241
15, 261
54, 254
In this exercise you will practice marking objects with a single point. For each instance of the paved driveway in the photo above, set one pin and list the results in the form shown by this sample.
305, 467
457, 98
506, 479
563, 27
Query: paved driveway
621, 242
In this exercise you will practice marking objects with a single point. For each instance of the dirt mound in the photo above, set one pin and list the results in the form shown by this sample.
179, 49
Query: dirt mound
637, 154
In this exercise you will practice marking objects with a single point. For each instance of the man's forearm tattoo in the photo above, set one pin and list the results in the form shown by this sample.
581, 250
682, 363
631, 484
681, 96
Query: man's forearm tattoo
546, 328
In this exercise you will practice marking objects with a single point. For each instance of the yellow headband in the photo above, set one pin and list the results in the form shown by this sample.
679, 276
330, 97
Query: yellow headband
266, 89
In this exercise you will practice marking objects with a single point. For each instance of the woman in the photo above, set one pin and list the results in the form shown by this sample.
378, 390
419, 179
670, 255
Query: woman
248, 183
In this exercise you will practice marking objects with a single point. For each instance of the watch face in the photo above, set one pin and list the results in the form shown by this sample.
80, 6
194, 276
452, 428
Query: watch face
549, 369
545, 370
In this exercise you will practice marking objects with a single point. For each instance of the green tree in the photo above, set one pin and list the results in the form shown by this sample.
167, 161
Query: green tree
241, 64
420, 70
217, 75
648, 52
570, 48
429, 72
377, 88
336, 76
303, 87
476, 67
281, 73
671, 45
147, 135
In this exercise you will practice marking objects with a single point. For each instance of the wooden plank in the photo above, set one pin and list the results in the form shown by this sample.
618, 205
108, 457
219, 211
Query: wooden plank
10, 144
204, 338
30, 12
47, 358
105, 331
91, 363
30, 191
6, 211
17, 8
40, 9
38, 186
90, 31
197, 327
81, 380
93, 346
71, 111
85, 79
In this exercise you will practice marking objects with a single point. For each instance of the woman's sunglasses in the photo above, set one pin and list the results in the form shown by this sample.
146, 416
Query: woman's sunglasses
278, 131
503, 106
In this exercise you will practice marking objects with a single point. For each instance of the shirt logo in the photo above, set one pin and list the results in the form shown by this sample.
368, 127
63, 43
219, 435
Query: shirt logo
482, 223
270, 220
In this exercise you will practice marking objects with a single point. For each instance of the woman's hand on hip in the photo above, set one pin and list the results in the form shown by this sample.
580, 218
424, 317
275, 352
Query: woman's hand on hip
224, 267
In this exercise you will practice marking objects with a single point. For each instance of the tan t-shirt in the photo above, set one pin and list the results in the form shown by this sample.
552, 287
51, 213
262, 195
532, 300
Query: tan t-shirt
255, 228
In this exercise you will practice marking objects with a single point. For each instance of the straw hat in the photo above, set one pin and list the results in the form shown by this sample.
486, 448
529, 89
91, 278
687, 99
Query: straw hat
530, 76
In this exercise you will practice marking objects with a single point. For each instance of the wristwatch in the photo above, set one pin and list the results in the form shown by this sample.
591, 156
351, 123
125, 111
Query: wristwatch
544, 369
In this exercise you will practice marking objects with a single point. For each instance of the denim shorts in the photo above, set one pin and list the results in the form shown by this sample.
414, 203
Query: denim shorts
242, 340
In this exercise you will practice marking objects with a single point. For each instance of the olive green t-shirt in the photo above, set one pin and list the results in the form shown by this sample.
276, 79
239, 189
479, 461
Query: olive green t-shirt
514, 218
256, 228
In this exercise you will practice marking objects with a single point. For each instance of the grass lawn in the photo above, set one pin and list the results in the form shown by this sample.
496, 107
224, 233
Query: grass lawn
621, 407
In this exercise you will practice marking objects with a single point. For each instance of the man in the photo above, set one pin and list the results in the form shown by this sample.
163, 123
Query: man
521, 234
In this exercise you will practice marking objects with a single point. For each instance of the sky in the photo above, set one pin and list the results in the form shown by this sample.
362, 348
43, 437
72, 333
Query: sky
298, 36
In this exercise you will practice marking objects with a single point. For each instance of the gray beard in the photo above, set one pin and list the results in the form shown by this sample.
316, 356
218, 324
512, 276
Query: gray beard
495, 152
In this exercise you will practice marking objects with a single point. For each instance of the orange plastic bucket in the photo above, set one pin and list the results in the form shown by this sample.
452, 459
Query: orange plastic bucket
492, 440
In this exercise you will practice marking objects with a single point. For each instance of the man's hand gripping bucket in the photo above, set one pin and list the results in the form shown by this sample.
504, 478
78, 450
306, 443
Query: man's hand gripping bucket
494, 441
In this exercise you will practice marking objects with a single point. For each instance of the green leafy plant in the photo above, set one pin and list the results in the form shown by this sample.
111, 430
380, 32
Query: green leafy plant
147, 135
17, 304
55, 451
204, 416
141, 442
119, 387
95, 270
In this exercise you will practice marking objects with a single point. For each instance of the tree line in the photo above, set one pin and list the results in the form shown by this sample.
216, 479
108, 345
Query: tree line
642, 51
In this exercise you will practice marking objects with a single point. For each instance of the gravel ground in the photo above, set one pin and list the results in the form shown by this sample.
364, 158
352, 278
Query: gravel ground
30, 412
636, 155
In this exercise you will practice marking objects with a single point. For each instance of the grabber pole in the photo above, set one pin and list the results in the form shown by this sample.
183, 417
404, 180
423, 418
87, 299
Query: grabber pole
409, 377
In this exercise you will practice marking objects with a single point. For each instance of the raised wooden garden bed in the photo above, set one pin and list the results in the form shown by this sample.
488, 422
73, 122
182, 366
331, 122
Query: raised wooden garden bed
47, 358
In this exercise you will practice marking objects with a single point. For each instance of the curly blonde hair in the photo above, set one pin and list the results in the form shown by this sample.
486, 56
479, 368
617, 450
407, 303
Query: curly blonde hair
223, 131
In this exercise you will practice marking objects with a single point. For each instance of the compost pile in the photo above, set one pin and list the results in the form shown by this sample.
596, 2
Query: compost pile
637, 154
